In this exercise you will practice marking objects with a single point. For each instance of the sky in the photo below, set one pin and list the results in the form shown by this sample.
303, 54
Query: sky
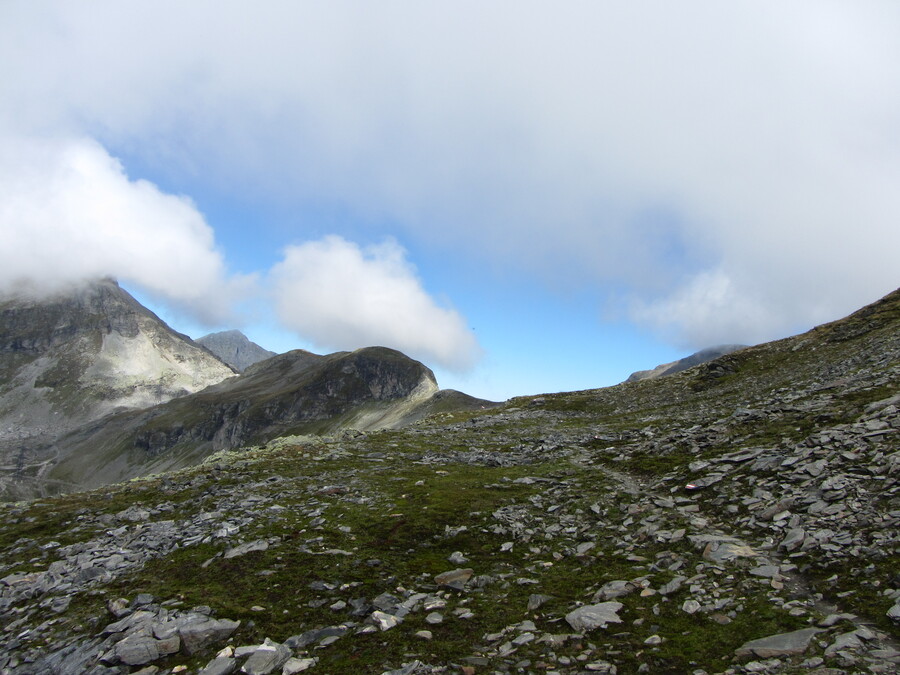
527, 197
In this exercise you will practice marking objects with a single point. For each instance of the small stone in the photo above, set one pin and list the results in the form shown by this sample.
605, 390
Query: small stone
614, 589
221, 665
424, 634
270, 656
455, 579
584, 547
244, 549
794, 539
385, 621
457, 558
434, 618
690, 606
536, 600
672, 586
198, 636
295, 665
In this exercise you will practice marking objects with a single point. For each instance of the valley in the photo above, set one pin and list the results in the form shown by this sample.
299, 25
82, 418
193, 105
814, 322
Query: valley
740, 516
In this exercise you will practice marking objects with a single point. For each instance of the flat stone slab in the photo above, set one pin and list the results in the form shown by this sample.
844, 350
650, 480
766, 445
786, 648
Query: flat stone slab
783, 644
454, 578
591, 617
244, 549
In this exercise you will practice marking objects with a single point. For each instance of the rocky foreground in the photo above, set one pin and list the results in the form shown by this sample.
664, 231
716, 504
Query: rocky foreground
739, 517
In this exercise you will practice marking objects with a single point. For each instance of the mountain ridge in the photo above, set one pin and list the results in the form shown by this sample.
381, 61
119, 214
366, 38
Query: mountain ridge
695, 359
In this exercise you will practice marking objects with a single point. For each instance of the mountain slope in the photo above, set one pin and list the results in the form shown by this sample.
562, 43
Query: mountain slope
235, 349
291, 393
738, 517
694, 359
72, 359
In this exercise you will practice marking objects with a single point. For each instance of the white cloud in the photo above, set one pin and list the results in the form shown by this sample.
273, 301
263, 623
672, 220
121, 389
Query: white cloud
341, 296
68, 213
656, 146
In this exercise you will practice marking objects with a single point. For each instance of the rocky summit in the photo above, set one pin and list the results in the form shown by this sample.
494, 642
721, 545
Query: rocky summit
738, 517
235, 349
73, 358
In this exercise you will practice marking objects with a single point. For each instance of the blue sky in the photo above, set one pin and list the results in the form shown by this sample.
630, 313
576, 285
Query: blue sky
526, 198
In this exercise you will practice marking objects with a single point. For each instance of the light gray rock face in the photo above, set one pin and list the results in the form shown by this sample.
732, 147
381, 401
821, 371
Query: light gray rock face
235, 349
198, 636
221, 665
591, 617
270, 657
783, 644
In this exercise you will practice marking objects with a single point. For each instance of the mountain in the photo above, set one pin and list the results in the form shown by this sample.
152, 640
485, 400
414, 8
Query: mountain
97, 389
235, 349
737, 517
293, 393
72, 359
694, 359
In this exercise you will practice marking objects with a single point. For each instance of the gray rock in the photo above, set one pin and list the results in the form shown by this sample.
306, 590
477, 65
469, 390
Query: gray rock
221, 665
783, 644
590, 617
672, 586
894, 611
244, 549
536, 600
457, 558
613, 589
455, 579
406, 669
270, 656
793, 540
137, 651
385, 621
843, 642
198, 636
295, 665
316, 635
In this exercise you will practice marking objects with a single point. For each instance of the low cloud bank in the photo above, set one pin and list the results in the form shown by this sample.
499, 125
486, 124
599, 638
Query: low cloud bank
342, 296
69, 213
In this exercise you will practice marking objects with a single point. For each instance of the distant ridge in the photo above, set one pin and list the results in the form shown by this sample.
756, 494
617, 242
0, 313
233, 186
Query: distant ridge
235, 349
694, 359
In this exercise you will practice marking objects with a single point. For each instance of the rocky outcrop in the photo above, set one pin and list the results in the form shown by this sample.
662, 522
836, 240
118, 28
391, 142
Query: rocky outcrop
235, 349
694, 359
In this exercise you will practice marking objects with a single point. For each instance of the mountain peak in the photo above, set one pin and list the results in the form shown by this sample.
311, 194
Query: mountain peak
78, 355
235, 349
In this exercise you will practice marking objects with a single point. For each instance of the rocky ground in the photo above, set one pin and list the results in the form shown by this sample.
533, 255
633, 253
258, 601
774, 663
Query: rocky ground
740, 517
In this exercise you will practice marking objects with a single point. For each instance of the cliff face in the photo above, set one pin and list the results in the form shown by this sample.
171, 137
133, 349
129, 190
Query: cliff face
68, 360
